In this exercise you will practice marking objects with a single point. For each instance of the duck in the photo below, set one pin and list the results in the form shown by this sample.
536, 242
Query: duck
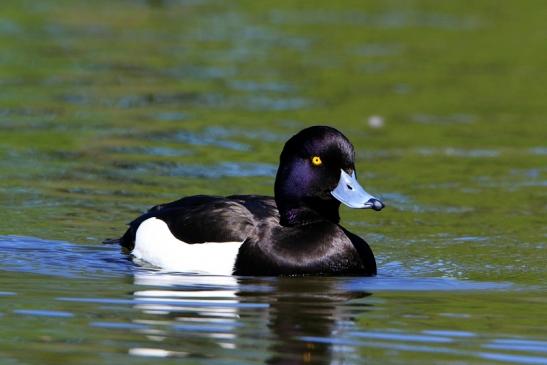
296, 232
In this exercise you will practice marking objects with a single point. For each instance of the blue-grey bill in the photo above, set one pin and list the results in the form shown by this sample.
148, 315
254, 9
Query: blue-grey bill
349, 192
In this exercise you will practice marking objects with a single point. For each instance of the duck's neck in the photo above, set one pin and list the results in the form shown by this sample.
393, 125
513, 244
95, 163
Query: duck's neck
294, 212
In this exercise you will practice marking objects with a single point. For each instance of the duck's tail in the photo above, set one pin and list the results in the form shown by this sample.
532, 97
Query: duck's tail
127, 240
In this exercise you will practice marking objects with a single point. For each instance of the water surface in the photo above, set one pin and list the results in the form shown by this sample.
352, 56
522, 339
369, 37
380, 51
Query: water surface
109, 108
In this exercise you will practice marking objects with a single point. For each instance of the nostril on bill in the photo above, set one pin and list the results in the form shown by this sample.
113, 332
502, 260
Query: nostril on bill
349, 186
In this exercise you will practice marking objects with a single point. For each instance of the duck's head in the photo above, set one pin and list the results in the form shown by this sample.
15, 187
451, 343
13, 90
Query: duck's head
316, 173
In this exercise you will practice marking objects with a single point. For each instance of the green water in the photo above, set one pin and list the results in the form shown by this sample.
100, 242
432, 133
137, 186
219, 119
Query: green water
107, 108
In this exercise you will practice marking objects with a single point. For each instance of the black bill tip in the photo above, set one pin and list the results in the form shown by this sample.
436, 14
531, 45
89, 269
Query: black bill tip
375, 204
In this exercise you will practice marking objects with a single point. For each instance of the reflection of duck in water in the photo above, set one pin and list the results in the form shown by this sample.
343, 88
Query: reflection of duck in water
303, 308
298, 232
272, 321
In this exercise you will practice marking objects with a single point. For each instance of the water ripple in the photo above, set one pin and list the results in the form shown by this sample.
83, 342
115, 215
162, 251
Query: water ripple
43, 313
57, 258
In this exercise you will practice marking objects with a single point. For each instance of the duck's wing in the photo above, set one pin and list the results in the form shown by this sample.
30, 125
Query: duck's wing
261, 207
203, 218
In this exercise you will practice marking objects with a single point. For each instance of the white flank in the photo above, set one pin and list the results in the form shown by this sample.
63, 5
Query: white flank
156, 245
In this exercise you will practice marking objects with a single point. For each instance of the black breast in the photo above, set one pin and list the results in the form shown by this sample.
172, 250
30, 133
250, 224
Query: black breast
318, 248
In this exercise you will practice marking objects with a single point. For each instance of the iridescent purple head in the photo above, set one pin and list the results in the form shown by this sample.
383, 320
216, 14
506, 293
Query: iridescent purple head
317, 172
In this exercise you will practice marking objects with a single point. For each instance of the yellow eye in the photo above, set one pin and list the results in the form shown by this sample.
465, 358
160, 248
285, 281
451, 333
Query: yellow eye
316, 161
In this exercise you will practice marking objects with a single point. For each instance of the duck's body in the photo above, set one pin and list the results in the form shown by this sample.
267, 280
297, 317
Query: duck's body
295, 233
